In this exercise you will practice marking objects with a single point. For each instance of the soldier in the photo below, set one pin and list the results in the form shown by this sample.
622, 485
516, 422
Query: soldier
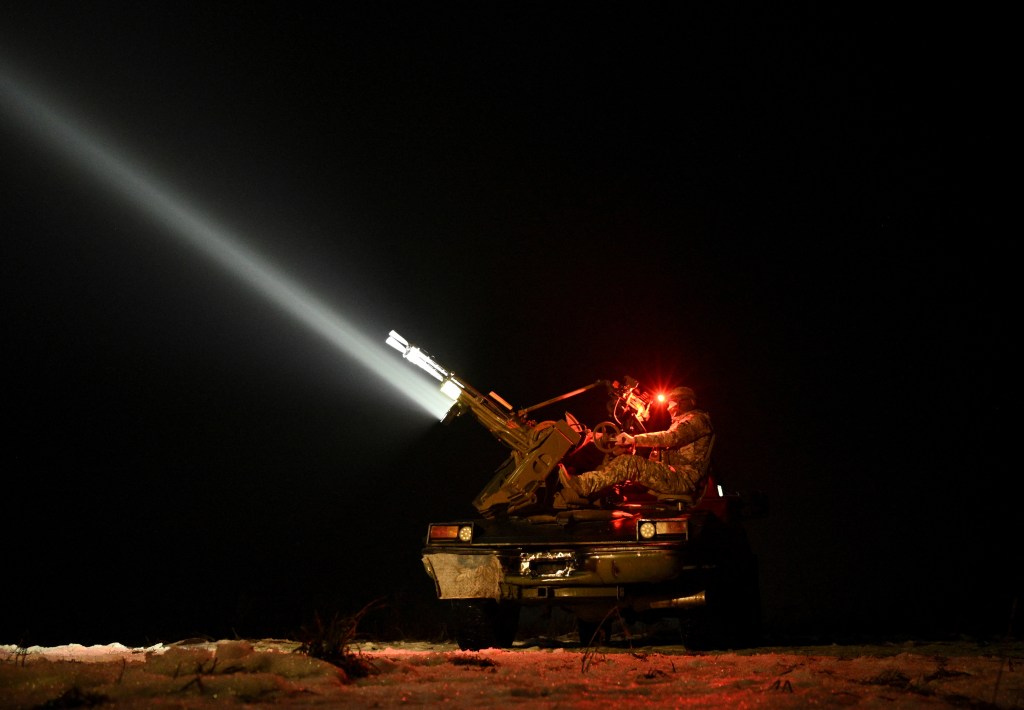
678, 460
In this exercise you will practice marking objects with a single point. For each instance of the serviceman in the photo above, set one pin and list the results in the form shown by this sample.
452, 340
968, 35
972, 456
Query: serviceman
678, 462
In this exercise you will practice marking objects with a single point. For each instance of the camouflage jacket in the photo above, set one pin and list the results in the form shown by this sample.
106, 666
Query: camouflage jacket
685, 444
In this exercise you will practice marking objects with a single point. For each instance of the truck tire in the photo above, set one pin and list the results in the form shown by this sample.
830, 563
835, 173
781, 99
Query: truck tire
484, 623
592, 633
732, 617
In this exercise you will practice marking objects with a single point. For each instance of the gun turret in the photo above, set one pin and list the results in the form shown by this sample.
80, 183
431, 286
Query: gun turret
536, 448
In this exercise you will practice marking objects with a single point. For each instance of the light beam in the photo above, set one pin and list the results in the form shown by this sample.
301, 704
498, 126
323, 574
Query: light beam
67, 137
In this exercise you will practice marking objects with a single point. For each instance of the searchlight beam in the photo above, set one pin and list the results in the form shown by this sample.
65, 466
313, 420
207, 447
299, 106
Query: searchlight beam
67, 137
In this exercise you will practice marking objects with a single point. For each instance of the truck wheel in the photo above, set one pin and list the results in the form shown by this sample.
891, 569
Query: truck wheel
592, 633
484, 623
732, 618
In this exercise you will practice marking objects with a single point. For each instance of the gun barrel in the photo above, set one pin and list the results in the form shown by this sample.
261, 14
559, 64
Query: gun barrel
417, 356
496, 420
488, 410
567, 395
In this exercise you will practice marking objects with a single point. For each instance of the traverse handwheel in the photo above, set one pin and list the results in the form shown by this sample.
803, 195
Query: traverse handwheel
605, 434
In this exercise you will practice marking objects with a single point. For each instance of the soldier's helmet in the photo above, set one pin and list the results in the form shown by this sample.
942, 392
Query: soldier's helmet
680, 393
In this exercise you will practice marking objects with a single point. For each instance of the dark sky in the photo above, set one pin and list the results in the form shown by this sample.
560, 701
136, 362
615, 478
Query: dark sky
790, 209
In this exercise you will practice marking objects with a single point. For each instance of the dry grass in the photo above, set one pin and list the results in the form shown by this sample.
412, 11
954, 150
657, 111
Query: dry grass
332, 642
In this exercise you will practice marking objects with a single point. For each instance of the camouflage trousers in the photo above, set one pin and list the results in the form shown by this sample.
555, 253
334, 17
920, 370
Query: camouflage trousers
652, 474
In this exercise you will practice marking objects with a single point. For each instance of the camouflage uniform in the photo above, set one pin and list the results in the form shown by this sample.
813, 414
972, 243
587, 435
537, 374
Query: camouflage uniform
677, 463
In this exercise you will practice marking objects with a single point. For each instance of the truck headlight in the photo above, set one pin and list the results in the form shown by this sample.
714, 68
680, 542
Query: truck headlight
650, 529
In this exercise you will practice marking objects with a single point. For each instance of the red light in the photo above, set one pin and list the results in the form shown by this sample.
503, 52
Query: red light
661, 397
444, 532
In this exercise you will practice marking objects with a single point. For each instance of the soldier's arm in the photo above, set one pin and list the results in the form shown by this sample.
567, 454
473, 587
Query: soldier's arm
682, 432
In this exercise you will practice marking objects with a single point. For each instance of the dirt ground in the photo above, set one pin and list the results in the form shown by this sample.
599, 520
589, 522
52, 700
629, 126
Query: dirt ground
541, 673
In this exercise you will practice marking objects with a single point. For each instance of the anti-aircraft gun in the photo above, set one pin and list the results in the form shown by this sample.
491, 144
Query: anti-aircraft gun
536, 448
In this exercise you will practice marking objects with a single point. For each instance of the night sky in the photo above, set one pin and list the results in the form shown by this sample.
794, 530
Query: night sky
790, 209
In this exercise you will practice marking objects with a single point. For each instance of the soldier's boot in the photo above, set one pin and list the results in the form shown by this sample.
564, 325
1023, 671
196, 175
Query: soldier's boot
571, 491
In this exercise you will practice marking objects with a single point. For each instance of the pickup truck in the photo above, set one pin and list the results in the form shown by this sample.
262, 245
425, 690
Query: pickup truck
631, 555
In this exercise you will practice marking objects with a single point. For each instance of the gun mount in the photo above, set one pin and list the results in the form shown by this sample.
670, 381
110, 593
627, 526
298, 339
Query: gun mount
520, 483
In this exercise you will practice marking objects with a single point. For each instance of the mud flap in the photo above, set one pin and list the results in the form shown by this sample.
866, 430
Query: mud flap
465, 576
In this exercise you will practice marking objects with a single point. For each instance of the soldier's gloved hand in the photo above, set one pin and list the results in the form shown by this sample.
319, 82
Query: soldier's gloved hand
624, 440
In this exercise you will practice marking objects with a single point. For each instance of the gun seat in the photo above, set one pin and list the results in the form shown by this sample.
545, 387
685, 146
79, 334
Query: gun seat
679, 501
684, 501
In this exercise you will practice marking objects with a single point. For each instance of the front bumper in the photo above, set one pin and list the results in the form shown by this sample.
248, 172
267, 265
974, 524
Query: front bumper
549, 574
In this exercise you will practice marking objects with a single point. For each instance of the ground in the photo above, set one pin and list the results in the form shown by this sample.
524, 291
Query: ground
546, 673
